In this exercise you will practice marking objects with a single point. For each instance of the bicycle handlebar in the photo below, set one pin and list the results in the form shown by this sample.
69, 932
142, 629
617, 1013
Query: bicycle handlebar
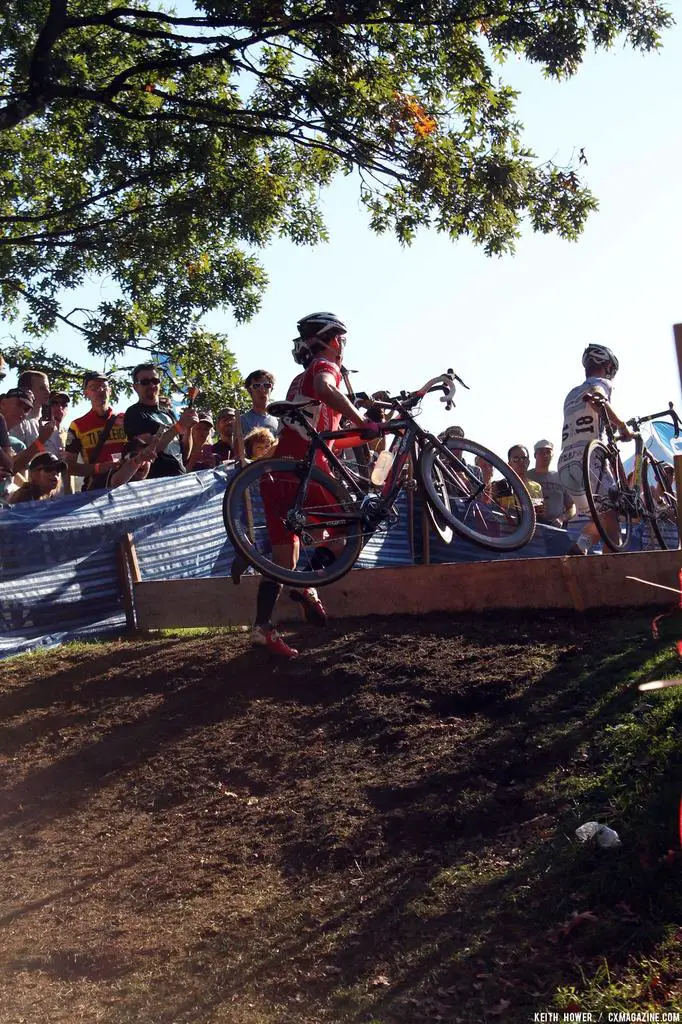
670, 411
445, 383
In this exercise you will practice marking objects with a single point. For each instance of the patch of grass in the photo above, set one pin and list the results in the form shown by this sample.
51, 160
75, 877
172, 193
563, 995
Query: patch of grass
201, 632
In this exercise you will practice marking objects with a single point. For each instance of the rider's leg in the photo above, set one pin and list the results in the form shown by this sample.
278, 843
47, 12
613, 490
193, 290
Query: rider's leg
264, 633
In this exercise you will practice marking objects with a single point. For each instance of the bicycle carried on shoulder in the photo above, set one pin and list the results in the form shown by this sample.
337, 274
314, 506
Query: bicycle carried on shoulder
334, 513
647, 495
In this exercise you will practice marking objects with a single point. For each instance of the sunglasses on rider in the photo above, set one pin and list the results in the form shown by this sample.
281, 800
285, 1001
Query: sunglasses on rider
264, 385
147, 381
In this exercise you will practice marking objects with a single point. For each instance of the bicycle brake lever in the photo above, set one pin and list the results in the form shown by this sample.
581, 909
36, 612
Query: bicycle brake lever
675, 418
451, 373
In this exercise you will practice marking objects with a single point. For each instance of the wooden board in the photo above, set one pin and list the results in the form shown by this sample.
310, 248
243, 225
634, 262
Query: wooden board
597, 581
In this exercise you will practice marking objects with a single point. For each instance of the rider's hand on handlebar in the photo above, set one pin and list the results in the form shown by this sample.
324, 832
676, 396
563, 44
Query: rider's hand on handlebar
370, 429
625, 434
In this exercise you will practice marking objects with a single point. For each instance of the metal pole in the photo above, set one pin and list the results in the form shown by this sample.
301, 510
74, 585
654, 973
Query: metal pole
677, 334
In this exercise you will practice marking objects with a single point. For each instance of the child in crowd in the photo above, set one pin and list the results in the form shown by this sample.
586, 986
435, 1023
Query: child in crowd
44, 480
259, 444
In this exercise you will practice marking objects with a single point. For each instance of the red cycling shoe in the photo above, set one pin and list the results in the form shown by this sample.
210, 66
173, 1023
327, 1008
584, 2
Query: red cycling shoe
313, 609
267, 636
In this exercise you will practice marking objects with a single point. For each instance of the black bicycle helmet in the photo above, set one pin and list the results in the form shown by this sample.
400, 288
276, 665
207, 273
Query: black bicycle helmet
312, 328
320, 325
603, 357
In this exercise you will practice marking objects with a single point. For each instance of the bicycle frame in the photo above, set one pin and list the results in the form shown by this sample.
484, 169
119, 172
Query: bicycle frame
374, 506
634, 424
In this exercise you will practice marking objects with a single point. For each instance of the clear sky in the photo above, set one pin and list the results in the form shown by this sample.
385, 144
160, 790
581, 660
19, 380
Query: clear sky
513, 328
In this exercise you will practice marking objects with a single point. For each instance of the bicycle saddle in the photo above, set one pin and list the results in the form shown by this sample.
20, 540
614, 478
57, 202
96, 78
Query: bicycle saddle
280, 409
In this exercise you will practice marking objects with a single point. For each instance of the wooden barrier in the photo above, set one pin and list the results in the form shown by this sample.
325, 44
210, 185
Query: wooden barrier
529, 583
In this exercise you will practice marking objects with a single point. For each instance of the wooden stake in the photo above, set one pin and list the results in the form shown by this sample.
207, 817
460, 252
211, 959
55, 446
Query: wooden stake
241, 459
410, 504
129, 574
678, 493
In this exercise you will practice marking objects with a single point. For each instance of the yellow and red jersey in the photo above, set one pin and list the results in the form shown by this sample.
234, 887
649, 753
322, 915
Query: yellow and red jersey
85, 432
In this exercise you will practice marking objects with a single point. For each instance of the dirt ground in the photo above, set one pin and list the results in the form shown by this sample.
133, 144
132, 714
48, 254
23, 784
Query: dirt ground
380, 831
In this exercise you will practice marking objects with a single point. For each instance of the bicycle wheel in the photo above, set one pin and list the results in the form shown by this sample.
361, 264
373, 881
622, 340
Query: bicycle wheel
500, 517
662, 506
266, 502
608, 495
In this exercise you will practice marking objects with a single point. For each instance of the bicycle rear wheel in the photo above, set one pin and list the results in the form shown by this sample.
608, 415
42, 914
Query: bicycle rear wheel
662, 507
501, 517
270, 502
607, 494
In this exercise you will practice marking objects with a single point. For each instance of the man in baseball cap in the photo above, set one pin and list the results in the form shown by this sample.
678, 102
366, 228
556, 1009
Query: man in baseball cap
223, 449
558, 503
93, 375
202, 455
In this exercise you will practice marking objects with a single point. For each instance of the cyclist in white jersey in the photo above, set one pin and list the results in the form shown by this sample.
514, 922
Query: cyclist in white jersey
583, 423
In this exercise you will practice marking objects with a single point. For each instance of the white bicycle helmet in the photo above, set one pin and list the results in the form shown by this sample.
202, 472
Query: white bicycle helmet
603, 357
315, 327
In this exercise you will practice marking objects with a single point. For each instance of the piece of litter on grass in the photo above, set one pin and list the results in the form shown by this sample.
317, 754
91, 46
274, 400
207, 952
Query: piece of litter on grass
606, 838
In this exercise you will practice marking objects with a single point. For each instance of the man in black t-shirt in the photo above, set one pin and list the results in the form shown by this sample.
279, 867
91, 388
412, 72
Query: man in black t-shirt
145, 419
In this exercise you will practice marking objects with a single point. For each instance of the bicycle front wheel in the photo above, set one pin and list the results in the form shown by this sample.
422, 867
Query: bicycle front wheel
270, 503
660, 504
608, 495
498, 515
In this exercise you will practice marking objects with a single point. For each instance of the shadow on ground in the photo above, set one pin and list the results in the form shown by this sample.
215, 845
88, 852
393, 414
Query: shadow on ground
379, 831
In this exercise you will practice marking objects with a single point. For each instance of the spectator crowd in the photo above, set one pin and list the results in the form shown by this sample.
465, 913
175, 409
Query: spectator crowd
44, 456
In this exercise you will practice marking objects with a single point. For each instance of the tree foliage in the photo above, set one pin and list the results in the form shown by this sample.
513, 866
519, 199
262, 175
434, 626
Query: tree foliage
160, 151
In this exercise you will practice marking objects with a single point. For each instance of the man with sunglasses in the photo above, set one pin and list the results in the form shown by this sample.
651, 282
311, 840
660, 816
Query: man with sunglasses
519, 460
259, 384
146, 419
56, 442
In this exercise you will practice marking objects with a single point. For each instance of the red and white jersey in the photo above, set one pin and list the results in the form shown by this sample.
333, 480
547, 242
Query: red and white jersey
293, 441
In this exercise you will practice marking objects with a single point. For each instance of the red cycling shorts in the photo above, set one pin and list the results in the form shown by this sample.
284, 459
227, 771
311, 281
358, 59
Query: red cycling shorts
278, 491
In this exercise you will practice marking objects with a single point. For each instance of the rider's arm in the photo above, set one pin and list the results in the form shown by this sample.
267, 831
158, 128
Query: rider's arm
620, 425
327, 392
614, 419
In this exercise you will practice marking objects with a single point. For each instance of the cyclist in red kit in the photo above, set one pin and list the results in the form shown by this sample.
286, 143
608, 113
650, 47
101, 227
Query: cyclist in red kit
319, 349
